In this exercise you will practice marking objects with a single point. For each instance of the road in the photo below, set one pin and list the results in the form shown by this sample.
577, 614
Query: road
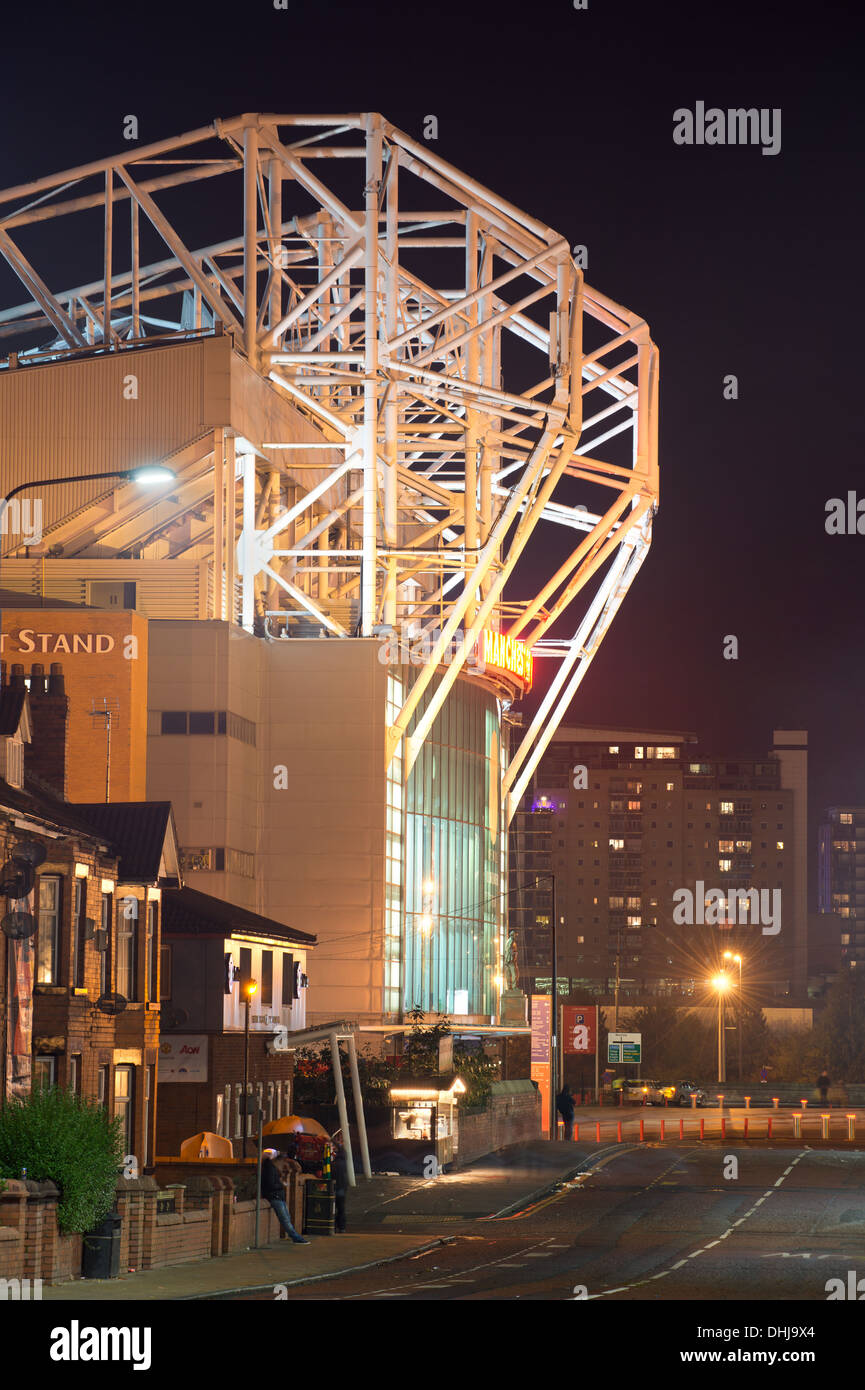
647, 1223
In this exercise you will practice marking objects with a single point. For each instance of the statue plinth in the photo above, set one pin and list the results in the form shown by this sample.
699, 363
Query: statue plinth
514, 1008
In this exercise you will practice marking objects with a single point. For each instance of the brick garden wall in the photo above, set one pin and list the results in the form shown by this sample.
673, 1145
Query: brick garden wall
513, 1115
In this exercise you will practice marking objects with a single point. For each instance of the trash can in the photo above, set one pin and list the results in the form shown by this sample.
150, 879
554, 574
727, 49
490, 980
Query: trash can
320, 1214
100, 1249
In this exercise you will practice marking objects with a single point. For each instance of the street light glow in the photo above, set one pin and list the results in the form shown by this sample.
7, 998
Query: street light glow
152, 474
720, 982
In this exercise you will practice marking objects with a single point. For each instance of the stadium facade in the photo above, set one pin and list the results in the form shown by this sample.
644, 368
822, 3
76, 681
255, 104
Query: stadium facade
411, 453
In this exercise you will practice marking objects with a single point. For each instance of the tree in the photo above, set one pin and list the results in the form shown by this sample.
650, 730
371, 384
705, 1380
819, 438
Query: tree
55, 1135
840, 1031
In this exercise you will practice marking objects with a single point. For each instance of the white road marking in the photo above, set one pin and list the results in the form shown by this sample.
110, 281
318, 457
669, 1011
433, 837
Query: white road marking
637, 1283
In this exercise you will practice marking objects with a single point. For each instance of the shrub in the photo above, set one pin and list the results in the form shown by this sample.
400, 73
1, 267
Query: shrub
55, 1135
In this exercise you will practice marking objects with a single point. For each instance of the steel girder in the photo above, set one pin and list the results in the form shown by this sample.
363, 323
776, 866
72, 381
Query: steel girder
445, 348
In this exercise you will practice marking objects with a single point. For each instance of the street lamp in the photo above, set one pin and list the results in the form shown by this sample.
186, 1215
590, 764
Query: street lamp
721, 983
147, 475
250, 988
737, 960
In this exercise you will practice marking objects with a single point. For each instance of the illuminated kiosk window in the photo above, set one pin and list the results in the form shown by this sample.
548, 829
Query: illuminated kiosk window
425, 1121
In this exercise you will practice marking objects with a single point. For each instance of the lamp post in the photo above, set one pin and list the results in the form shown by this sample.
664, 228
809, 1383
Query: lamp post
737, 960
249, 989
721, 982
145, 475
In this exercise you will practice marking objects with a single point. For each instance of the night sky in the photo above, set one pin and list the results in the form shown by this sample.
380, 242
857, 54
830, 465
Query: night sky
741, 263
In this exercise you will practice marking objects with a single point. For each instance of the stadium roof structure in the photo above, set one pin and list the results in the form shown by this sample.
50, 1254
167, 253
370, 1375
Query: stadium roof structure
457, 380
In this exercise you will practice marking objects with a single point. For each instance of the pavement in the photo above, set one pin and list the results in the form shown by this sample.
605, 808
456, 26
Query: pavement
385, 1216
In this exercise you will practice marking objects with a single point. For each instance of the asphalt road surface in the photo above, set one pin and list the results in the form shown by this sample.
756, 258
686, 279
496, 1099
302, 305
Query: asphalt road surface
648, 1223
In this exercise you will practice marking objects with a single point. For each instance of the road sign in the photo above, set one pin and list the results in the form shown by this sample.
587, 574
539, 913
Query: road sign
624, 1047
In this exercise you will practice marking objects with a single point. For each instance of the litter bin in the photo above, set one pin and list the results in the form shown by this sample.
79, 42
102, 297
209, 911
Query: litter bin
320, 1214
101, 1249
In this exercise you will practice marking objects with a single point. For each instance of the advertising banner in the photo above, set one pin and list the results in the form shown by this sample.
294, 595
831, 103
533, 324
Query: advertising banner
19, 1025
540, 1070
183, 1057
580, 1028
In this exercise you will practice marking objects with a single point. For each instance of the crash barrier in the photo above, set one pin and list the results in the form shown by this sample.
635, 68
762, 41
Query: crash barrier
728, 1126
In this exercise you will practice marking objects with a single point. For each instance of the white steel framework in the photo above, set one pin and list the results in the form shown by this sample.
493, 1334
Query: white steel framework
457, 381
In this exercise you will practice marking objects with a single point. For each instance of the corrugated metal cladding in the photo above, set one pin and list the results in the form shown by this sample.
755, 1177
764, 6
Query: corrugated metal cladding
164, 588
72, 417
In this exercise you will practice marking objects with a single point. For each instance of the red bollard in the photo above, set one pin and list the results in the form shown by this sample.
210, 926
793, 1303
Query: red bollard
642, 1128
681, 1128
702, 1127
576, 1134
598, 1131
662, 1129
769, 1128
723, 1127
619, 1131
746, 1127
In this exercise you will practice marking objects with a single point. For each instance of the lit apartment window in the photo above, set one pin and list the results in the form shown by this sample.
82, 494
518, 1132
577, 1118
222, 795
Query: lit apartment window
633, 805
725, 865
614, 748
633, 902
79, 922
635, 921
725, 846
846, 818
671, 786
638, 751
725, 808
127, 953
48, 942
779, 844
616, 903
743, 846
663, 753
617, 844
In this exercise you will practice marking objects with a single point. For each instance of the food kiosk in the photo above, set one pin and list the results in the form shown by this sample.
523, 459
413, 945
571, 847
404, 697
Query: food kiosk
425, 1120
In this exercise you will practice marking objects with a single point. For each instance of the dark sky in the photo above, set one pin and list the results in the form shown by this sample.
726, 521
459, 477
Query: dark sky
740, 262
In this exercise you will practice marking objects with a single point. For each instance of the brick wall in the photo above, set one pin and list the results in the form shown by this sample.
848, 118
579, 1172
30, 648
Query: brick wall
513, 1115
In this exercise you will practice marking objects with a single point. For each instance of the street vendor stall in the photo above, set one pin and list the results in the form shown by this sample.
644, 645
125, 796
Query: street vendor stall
425, 1121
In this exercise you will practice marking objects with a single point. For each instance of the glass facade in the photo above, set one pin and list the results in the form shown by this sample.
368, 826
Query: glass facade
394, 859
454, 858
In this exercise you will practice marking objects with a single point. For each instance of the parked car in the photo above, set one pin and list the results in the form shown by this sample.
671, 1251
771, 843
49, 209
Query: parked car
641, 1092
680, 1093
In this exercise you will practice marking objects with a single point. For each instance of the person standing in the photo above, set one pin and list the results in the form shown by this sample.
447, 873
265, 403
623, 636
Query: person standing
565, 1107
823, 1084
273, 1192
340, 1185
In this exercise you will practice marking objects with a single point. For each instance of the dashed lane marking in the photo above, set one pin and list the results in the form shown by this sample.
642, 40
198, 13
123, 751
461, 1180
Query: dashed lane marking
703, 1248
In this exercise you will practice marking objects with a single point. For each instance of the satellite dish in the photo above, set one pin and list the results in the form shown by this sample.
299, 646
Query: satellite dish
16, 878
32, 852
174, 1018
111, 1003
18, 926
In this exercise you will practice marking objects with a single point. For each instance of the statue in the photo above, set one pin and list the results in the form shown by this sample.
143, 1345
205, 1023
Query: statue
512, 973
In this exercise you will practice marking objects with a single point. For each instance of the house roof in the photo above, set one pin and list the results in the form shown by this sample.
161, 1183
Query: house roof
142, 831
185, 910
37, 801
12, 704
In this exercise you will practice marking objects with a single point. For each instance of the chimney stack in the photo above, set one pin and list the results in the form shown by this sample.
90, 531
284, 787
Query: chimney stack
47, 756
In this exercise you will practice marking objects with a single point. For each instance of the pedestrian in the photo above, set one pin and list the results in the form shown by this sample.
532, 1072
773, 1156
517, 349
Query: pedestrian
340, 1185
565, 1107
273, 1191
823, 1084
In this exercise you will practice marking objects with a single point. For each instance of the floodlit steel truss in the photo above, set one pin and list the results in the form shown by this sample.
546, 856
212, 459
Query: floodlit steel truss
458, 382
